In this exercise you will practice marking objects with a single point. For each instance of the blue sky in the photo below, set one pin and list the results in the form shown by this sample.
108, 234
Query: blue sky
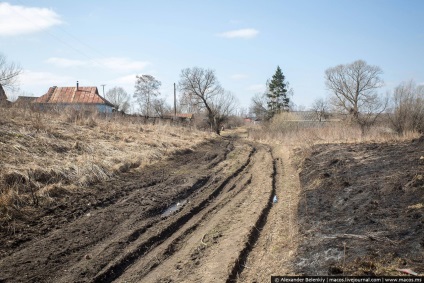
109, 42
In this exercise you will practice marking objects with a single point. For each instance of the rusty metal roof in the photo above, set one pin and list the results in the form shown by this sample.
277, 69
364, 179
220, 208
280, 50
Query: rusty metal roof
185, 115
70, 95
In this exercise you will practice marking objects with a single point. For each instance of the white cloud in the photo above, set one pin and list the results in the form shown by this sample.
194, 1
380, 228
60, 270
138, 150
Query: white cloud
240, 33
115, 63
43, 78
256, 88
15, 20
238, 77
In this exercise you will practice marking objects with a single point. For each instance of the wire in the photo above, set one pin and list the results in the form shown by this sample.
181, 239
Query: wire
64, 42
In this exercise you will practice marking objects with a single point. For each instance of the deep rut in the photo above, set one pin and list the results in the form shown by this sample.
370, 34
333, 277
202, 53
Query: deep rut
213, 244
115, 270
224, 191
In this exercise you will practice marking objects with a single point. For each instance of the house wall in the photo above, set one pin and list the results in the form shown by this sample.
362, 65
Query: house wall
102, 108
84, 107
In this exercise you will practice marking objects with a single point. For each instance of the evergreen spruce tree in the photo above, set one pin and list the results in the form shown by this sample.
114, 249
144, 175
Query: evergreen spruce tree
278, 100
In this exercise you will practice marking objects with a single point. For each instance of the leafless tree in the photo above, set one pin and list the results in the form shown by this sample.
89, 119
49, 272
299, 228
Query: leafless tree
353, 90
242, 112
119, 98
160, 107
187, 105
321, 109
223, 106
9, 73
259, 106
202, 89
407, 108
146, 89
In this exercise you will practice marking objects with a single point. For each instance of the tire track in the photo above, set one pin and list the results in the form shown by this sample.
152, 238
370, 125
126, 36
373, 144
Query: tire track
175, 245
254, 232
115, 270
207, 252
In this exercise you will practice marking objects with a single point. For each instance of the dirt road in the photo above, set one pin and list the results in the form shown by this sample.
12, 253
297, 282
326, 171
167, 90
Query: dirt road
191, 218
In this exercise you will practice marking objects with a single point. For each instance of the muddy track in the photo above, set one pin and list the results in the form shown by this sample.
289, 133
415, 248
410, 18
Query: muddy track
199, 210
213, 240
254, 233
114, 271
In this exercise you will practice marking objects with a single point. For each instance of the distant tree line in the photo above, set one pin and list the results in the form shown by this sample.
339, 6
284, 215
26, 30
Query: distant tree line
200, 93
353, 90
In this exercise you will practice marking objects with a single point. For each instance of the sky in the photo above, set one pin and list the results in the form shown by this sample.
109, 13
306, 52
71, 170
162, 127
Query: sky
109, 42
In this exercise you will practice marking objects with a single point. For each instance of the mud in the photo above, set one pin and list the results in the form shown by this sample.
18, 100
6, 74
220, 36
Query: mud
362, 209
169, 222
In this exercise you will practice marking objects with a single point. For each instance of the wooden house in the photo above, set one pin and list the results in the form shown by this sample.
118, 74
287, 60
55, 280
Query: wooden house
78, 97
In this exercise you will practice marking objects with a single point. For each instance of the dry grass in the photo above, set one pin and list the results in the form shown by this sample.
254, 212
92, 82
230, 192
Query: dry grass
297, 134
46, 155
286, 129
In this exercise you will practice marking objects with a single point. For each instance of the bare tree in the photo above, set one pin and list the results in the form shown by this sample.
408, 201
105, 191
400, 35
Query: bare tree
119, 98
203, 90
407, 103
186, 104
160, 107
9, 73
259, 106
321, 109
353, 90
146, 89
223, 106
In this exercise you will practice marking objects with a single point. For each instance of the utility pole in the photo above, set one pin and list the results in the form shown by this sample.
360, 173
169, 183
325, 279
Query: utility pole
175, 102
103, 90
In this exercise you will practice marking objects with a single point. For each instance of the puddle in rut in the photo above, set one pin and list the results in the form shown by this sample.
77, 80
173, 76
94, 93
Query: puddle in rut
174, 208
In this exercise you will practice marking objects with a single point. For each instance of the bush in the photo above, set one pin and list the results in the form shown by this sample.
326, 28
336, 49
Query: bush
407, 113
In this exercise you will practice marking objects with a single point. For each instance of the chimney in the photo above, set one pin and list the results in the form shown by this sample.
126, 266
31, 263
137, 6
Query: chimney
77, 85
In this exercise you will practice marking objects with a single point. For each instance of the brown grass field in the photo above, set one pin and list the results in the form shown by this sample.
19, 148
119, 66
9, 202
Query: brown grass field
46, 154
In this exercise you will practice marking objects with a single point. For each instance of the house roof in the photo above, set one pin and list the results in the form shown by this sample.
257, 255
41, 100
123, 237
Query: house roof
185, 115
2, 93
72, 95
24, 100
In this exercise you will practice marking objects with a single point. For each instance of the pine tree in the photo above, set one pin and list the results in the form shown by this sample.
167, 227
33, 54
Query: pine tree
278, 100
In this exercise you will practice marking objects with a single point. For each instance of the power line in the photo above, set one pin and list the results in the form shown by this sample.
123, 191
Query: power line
66, 43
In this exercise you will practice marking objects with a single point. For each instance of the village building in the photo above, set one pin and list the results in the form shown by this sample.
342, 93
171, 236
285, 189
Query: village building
24, 101
180, 116
84, 98
3, 97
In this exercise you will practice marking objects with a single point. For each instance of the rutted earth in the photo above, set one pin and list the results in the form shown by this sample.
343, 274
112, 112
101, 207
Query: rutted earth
207, 215
189, 218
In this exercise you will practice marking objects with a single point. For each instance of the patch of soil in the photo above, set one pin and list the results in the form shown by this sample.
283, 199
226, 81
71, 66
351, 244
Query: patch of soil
362, 209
